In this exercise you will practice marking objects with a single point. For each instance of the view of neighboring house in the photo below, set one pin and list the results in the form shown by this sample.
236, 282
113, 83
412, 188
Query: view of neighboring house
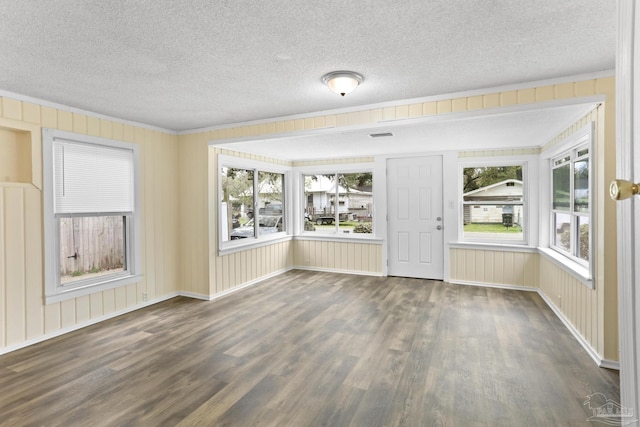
491, 203
320, 192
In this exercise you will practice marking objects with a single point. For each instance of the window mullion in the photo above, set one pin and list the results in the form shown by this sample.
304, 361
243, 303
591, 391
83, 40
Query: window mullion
256, 205
336, 203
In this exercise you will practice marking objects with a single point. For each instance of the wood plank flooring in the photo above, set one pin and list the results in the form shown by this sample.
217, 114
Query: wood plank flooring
313, 349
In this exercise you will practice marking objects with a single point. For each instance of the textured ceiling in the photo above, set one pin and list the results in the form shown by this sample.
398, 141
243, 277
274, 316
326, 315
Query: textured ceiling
188, 64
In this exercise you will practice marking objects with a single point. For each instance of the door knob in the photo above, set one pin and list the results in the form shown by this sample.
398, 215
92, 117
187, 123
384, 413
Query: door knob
621, 189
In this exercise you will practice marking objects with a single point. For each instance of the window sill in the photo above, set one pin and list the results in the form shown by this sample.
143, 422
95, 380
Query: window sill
66, 294
339, 238
580, 272
234, 246
507, 247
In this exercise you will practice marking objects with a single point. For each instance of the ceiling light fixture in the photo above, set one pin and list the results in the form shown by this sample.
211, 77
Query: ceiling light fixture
342, 82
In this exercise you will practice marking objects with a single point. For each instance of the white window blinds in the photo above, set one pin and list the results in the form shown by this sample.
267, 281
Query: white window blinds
92, 178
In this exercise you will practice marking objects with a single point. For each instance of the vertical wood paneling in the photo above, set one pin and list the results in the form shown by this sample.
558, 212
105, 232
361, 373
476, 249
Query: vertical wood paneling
219, 271
132, 295
68, 313
120, 298
15, 263
109, 301
480, 265
33, 263
498, 270
3, 282
52, 317
95, 305
83, 309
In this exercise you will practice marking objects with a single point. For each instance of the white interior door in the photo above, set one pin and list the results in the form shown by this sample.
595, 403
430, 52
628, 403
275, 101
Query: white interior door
414, 223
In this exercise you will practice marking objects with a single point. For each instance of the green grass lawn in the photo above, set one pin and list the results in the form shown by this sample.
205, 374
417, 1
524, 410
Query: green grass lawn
492, 228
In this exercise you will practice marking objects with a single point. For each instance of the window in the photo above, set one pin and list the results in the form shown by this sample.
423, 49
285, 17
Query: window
252, 201
570, 213
493, 203
91, 214
338, 203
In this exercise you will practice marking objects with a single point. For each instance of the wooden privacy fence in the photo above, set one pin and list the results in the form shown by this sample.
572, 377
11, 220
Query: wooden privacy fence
91, 244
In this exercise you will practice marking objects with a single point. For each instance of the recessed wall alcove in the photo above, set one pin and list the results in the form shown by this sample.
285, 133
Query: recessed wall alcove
20, 153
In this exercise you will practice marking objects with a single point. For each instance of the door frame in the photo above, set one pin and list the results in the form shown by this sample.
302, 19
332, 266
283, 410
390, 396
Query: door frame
628, 211
450, 203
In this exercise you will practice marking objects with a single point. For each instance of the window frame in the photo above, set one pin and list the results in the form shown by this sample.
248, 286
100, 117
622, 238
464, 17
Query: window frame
334, 169
572, 152
55, 291
230, 246
525, 163
584, 135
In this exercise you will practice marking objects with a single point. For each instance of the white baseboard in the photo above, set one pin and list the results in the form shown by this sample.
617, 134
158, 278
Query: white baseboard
600, 361
58, 332
235, 288
335, 270
494, 285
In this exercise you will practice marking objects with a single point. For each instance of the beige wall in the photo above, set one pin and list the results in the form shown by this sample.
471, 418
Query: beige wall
23, 315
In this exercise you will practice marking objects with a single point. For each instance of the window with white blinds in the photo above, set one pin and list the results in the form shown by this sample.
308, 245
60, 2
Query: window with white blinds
92, 178
92, 221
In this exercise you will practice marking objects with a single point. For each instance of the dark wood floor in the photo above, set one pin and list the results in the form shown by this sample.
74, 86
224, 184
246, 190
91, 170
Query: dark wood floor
313, 349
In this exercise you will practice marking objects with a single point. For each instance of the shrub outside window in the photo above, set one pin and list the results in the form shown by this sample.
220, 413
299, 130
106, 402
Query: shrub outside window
570, 216
493, 203
338, 203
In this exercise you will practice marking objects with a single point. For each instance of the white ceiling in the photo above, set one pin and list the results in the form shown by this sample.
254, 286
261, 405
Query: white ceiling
188, 64
500, 129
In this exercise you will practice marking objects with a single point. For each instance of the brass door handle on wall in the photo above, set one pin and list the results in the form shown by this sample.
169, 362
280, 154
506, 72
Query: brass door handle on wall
620, 189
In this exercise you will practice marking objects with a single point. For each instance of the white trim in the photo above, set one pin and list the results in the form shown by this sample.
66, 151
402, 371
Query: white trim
195, 295
235, 288
494, 285
234, 246
337, 270
350, 238
84, 324
628, 215
503, 247
578, 271
62, 107
400, 102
